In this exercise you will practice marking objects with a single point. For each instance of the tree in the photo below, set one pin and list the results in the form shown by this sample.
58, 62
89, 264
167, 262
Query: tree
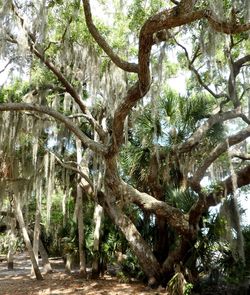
125, 88
19, 217
79, 215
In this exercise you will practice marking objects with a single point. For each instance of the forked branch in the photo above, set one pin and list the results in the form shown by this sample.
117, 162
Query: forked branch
97, 147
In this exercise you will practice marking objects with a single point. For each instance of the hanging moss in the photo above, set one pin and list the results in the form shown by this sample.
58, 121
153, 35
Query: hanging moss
230, 211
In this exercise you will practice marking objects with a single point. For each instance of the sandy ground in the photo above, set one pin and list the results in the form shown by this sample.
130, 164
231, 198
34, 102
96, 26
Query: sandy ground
19, 281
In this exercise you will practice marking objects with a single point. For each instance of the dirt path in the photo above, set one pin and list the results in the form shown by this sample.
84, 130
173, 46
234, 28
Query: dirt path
18, 281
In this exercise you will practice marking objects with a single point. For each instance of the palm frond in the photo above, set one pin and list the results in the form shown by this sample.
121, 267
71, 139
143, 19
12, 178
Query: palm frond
180, 199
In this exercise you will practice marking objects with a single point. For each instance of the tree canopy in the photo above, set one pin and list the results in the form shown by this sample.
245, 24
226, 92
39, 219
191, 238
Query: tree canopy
93, 92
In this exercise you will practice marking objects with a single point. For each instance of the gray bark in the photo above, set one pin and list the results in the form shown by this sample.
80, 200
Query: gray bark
11, 250
68, 264
79, 214
141, 249
97, 235
19, 216
45, 258
36, 234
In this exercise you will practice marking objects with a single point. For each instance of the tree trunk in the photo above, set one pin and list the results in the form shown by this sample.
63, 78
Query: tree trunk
64, 200
141, 249
162, 239
79, 214
36, 234
68, 264
45, 258
11, 250
19, 216
96, 246
114, 202
50, 187
178, 256
10, 259
81, 232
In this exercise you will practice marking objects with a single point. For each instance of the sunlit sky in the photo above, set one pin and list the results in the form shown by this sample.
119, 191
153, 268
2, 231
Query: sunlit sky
3, 75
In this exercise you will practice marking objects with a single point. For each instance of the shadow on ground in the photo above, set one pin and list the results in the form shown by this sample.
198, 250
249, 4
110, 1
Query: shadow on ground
19, 282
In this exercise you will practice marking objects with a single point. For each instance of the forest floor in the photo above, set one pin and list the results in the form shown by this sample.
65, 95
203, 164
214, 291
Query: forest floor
19, 282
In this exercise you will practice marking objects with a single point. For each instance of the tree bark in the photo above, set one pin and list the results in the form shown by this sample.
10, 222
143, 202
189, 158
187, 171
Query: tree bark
50, 188
19, 216
79, 214
96, 246
64, 201
162, 242
45, 258
68, 264
97, 147
141, 249
37, 228
11, 250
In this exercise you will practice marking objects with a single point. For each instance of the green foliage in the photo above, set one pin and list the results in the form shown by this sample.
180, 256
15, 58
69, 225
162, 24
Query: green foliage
139, 11
14, 92
137, 15
246, 235
155, 127
41, 76
180, 199
17, 243
131, 268
134, 161
112, 241
69, 238
122, 277
184, 114
235, 272
177, 285
188, 288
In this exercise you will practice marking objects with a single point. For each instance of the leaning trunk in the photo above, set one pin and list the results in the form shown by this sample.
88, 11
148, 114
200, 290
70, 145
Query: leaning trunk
45, 258
141, 249
36, 235
114, 205
19, 216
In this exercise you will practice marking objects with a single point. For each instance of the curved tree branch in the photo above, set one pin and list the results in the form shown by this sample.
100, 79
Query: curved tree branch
223, 189
68, 86
245, 118
218, 150
7, 64
123, 193
203, 129
243, 178
77, 170
235, 70
97, 147
194, 70
133, 95
174, 216
164, 20
126, 66
242, 156
225, 27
